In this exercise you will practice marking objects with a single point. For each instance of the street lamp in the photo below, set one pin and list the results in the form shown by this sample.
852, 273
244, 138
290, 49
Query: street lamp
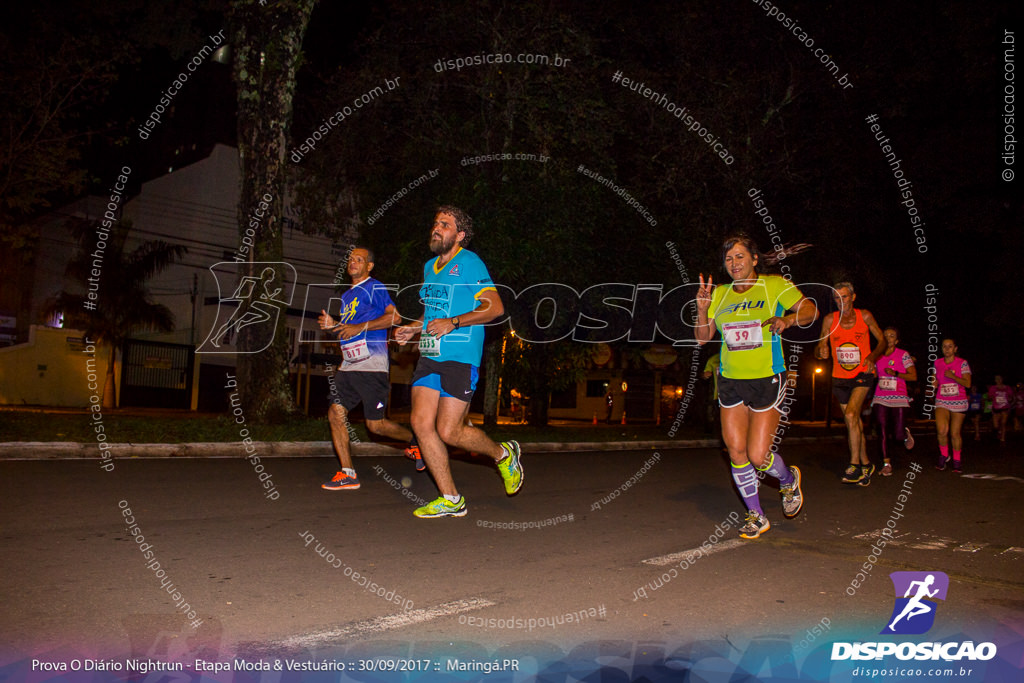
814, 394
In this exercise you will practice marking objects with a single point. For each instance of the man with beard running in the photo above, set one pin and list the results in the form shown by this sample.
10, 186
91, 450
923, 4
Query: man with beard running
459, 298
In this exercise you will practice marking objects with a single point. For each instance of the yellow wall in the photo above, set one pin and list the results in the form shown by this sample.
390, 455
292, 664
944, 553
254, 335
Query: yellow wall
50, 370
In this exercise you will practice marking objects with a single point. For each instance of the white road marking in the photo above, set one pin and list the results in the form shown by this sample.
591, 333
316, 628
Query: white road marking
918, 542
693, 553
386, 623
929, 542
891, 539
969, 547
991, 477
937, 543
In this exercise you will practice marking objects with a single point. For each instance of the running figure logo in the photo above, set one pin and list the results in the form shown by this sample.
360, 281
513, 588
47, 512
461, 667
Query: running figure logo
914, 612
256, 300
349, 312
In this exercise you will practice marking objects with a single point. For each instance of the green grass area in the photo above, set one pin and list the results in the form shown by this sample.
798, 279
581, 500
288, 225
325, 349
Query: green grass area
26, 425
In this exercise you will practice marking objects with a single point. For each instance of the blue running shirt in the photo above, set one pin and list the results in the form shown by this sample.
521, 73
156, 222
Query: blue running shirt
452, 291
361, 303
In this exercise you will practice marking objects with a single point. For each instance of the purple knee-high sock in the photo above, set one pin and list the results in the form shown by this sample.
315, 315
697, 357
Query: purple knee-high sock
746, 481
777, 468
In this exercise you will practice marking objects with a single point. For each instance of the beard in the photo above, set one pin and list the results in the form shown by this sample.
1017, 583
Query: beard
439, 245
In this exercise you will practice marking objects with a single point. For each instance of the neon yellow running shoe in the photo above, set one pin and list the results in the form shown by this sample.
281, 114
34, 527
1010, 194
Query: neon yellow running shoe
440, 507
511, 468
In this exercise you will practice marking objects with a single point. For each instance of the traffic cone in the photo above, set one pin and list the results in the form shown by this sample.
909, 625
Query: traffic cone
595, 419
623, 417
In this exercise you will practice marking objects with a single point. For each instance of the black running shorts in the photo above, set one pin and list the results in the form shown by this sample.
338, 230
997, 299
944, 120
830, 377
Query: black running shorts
759, 395
349, 389
842, 387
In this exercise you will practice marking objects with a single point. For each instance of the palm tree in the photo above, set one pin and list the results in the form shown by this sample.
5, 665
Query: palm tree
121, 304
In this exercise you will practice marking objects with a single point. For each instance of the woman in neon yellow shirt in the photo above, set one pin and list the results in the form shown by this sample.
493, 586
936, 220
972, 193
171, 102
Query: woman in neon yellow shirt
750, 314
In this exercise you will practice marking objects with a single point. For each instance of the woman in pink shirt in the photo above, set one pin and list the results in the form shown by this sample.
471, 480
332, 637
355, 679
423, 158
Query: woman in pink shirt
950, 382
1002, 401
895, 368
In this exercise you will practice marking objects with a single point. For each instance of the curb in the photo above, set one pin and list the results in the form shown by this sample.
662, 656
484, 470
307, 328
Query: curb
70, 450
577, 446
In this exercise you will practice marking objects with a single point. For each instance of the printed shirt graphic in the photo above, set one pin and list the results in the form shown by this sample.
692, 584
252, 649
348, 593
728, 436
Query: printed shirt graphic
362, 303
849, 346
451, 291
749, 349
915, 603
949, 389
890, 390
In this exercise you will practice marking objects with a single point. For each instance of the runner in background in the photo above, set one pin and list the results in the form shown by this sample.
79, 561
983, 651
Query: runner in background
711, 374
1002, 396
951, 379
1018, 407
975, 400
848, 331
986, 407
891, 402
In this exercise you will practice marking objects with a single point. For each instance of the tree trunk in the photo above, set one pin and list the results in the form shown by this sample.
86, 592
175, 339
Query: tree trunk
540, 391
267, 44
110, 384
539, 402
492, 366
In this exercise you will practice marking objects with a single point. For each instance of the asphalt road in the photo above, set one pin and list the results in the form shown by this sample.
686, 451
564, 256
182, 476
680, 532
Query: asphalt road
292, 576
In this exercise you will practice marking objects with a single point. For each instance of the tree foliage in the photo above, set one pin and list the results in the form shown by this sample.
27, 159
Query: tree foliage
48, 86
433, 127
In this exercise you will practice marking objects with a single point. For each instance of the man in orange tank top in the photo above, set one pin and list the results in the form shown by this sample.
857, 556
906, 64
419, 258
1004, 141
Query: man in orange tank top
848, 331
